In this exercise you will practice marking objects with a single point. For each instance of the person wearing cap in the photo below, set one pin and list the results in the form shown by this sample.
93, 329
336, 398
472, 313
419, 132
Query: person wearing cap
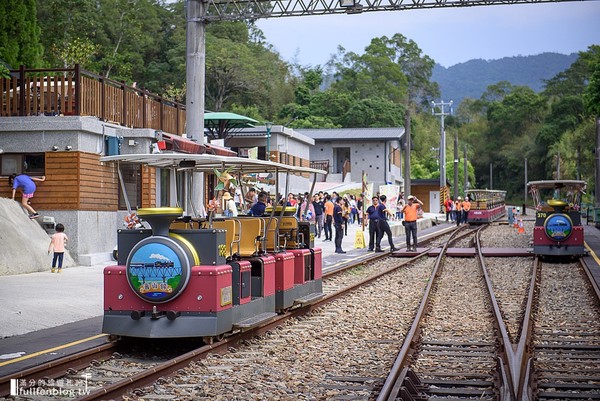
410, 221
229, 208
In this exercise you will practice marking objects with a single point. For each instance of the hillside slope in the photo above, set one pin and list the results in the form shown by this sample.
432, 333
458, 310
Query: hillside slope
23, 242
470, 79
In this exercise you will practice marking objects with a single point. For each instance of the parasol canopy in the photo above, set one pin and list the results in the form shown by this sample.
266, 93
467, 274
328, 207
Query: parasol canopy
219, 125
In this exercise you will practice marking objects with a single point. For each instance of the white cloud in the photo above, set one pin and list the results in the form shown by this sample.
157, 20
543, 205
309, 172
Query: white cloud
158, 256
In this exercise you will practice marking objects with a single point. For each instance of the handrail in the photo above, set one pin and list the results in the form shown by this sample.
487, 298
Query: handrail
74, 91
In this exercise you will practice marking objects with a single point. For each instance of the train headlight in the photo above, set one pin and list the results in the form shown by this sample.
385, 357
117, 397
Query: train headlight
199, 298
120, 297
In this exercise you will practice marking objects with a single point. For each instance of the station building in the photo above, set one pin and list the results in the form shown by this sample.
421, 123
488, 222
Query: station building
348, 152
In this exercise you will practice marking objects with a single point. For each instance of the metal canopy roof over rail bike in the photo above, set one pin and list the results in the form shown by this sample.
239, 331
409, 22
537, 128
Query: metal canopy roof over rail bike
207, 163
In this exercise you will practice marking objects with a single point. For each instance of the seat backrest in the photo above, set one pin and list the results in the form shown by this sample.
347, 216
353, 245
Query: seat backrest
270, 235
232, 234
180, 225
250, 231
288, 231
285, 238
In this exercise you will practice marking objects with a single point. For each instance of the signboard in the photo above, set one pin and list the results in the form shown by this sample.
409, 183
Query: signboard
391, 193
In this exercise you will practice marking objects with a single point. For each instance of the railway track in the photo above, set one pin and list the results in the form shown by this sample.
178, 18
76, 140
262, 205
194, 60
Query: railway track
451, 351
545, 342
565, 360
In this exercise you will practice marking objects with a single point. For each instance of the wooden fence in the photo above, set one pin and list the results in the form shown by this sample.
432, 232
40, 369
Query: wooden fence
73, 91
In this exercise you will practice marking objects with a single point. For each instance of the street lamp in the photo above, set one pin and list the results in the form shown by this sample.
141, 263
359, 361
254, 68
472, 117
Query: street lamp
269, 125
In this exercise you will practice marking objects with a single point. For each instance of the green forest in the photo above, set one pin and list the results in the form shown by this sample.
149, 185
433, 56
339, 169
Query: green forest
388, 84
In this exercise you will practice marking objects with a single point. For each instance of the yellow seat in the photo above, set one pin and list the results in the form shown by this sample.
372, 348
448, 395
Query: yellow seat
285, 237
250, 232
288, 232
269, 235
233, 230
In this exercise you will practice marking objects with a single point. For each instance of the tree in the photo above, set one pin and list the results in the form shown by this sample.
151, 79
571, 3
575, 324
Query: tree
78, 51
574, 80
591, 95
20, 34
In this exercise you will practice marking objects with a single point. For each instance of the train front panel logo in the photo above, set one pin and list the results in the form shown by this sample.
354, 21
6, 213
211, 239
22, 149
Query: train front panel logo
558, 227
155, 272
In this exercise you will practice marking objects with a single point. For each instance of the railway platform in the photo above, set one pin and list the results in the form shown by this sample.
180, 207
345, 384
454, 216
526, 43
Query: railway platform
592, 244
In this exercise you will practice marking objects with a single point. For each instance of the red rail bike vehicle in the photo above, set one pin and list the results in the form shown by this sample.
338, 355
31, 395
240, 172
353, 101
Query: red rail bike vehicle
197, 277
487, 205
558, 230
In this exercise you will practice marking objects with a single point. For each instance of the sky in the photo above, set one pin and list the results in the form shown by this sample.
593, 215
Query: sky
448, 35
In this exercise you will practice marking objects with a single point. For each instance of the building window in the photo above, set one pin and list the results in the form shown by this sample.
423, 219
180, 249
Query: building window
22, 163
132, 178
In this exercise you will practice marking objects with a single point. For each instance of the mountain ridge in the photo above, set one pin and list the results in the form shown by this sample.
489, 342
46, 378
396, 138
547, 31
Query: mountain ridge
456, 82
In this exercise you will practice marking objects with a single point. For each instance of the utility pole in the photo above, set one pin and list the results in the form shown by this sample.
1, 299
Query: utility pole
525, 203
442, 113
407, 146
466, 172
491, 176
195, 68
578, 162
455, 165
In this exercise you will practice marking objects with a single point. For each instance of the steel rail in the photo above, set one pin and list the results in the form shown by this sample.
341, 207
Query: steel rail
512, 358
525, 348
59, 367
391, 386
588, 272
523, 356
377, 256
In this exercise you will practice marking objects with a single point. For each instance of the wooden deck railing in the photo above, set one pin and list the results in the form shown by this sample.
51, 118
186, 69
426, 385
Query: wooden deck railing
73, 91
321, 165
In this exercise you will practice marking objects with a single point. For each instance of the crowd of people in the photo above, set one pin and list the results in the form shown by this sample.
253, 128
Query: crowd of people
457, 210
331, 214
